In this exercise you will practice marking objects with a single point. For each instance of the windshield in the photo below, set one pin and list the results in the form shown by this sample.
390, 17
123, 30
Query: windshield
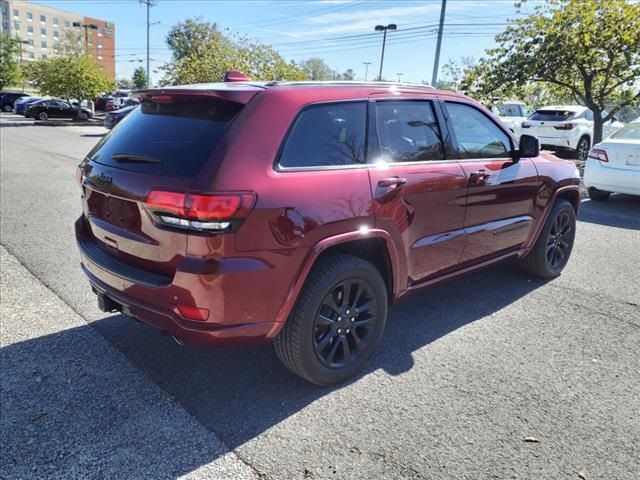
552, 115
630, 132
179, 136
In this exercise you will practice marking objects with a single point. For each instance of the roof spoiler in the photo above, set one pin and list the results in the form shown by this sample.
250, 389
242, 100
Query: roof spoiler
235, 76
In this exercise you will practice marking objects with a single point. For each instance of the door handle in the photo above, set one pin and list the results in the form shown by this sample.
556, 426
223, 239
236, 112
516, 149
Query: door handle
392, 182
479, 177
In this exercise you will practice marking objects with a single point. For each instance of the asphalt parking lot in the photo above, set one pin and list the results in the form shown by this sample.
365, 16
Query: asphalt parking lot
492, 376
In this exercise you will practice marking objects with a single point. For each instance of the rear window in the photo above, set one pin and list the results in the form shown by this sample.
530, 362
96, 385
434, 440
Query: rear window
173, 139
630, 132
552, 115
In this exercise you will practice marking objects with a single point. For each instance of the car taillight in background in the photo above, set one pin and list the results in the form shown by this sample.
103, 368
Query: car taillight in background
525, 125
201, 212
565, 126
598, 154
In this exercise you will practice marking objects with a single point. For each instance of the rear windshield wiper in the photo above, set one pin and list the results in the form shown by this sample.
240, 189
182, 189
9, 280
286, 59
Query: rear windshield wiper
133, 158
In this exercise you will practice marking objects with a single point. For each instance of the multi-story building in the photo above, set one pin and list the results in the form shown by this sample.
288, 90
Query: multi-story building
40, 28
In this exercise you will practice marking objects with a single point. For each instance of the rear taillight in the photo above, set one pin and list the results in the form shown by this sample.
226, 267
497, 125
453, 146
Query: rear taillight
216, 212
525, 125
598, 154
565, 126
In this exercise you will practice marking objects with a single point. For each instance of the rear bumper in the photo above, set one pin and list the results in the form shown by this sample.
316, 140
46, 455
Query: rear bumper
240, 312
188, 334
611, 179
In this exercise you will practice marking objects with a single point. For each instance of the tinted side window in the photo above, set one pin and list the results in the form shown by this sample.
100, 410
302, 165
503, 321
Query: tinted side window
408, 131
327, 135
477, 136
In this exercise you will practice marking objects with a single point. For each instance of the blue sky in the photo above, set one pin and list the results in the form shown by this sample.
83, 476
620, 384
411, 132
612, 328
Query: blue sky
339, 31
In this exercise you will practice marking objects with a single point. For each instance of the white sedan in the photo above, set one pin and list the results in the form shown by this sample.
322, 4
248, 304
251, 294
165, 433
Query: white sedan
613, 166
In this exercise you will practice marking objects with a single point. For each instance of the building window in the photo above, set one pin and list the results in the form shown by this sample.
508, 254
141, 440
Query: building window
99, 57
29, 17
43, 44
99, 31
99, 43
67, 24
44, 56
43, 19
30, 30
16, 25
56, 34
32, 55
16, 13
56, 22
43, 32
30, 41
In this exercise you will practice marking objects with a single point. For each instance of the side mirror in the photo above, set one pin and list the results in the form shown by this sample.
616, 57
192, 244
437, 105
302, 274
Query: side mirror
529, 147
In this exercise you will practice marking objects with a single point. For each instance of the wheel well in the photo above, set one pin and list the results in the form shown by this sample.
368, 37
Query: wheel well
587, 136
573, 197
373, 250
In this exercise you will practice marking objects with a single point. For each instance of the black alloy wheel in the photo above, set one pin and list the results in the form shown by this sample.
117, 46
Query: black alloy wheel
344, 323
559, 241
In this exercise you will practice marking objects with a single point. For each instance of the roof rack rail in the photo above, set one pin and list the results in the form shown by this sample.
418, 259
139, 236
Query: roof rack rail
347, 82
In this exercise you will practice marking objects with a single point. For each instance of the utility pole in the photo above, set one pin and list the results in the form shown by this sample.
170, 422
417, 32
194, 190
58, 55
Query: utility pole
366, 69
149, 4
399, 76
384, 28
434, 78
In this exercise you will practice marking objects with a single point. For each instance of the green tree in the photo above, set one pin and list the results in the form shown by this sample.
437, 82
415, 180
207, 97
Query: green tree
10, 68
70, 42
349, 74
70, 76
586, 49
208, 54
191, 37
316, 69
139, 78
124, 84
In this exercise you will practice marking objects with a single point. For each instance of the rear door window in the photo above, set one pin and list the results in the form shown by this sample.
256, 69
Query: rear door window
476, 134
174, 138
552, 115
327, 135
408, 131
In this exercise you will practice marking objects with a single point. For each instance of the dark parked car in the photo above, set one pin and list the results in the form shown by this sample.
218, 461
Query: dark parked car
7, 99
297, 212
101, 103
20, 106
111, 119
46, 109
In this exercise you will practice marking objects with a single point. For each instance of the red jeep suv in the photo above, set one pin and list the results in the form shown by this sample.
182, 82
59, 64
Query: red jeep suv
297, 212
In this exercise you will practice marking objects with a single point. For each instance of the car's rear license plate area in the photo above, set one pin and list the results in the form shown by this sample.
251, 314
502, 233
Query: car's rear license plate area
122, 213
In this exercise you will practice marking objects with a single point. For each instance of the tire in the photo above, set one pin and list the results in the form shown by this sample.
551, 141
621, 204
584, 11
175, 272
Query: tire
43, 116
598, 195
544, 260
315, 329
6, 108
582, 149
83, 116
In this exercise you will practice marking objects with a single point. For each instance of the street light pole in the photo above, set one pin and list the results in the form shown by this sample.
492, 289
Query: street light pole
366, 69
399, 75
384, 28
149, 4
434, 78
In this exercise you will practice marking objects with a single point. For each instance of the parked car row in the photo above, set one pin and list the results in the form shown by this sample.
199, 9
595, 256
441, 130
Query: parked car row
566, 128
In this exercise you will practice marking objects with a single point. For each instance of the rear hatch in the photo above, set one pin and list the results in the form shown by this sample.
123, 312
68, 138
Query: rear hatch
549, 123
159, 147
623, 148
